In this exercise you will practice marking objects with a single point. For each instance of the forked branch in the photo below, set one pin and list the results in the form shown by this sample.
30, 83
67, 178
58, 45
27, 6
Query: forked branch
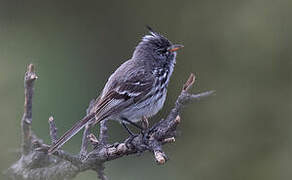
36, 164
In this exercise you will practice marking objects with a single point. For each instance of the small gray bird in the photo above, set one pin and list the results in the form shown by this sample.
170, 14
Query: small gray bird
136, 89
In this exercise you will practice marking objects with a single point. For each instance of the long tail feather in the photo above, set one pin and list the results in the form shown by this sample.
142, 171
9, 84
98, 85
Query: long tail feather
70, 133
99, 113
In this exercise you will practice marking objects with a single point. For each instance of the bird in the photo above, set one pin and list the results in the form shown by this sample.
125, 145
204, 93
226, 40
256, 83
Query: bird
137, 89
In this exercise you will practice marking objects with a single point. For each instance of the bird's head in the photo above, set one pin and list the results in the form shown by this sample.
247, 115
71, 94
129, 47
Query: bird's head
156, 47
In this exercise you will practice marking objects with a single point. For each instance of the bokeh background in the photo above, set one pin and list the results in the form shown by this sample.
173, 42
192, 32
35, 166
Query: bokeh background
240, 48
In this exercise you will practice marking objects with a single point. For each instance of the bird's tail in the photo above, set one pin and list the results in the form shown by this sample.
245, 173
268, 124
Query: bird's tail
70, 133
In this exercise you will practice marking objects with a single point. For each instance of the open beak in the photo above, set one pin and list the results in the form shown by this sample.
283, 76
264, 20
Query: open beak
175, 47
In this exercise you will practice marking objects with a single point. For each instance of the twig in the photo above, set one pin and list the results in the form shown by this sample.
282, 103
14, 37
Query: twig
93, 139
100, 172
160, 157
53, 130
84, 145
103, 135
201, 95
86, 132
29, 79
91, 106
188, 84
169, 140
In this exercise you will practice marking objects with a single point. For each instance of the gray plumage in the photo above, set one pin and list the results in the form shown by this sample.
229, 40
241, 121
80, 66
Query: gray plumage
137, 88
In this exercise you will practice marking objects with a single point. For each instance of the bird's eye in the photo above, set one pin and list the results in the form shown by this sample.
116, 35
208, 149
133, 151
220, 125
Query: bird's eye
162, 52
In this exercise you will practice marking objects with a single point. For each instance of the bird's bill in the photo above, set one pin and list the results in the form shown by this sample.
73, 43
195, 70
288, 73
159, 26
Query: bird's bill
175, 47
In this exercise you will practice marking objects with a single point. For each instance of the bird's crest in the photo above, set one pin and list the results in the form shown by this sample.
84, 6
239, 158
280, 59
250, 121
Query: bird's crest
153, 34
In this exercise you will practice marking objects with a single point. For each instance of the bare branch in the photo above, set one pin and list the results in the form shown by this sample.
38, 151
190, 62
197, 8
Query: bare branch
84, 145
93, 139
169, 140
29, 79
160, 157
189, 82
53, 130
91, 105
103, 132
86, 132
35, 162
100, 173
201, 95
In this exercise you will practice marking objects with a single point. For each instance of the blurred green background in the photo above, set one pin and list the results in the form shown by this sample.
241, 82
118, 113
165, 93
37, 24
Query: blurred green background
242, 49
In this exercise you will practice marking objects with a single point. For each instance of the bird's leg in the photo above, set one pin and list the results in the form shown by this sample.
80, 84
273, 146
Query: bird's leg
127, 128
133, 124
132, 135
143, 128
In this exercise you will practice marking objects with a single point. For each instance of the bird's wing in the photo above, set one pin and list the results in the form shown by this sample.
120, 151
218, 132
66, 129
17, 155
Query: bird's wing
125, 93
